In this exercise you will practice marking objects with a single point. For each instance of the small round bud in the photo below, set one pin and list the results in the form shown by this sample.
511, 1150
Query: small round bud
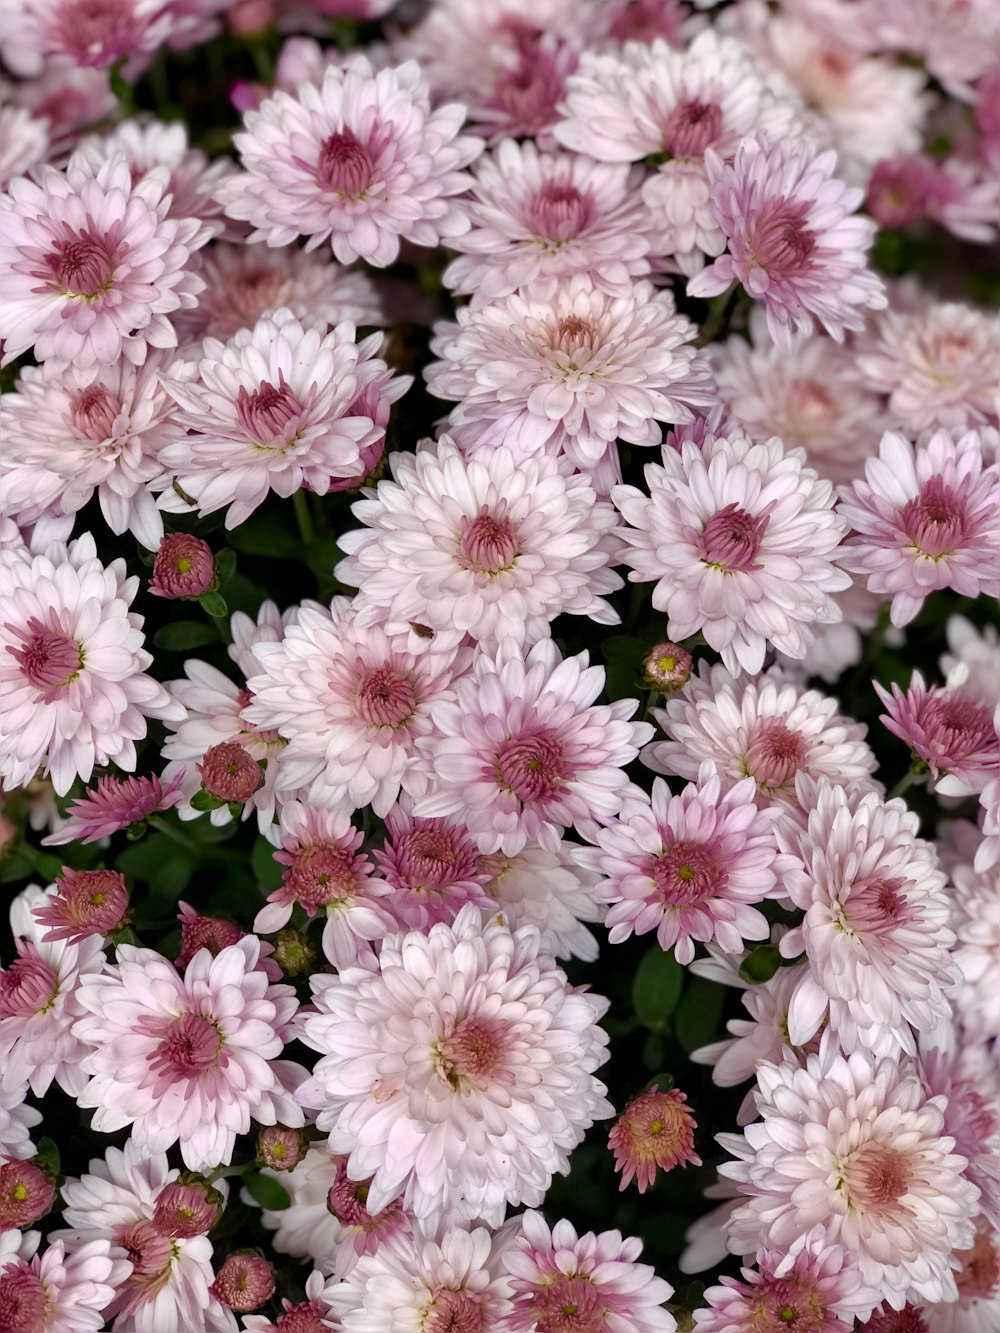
279, 1148
244, 1282
347, 1201
667, 667
293, 953
204, 932
26, 1193
655, 1132
188, 1207
184, 568
89, 902
229, 773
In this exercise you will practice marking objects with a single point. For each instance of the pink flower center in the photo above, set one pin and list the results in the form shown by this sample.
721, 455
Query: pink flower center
189, 1046
876, 1177
26, 1194
97, 32
29, 986
486, 543
934, 522
83, 267
532, 768
50, 659
810, 406
687, 873
320, 875
779, 1303
347, 1202
569, 1304
386, 698
453, 1312
775, 754
956, 728
308, 1317
731, 539
473, 1052
345, 166
433, 858
147, 1249
528, 93
22, 1302
93, 411
265, 414
979, 1276
690, 128
779, 241
560, 212
876, 906
575, 338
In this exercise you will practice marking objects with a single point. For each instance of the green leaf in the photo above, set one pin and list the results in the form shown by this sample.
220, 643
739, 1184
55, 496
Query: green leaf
204, 800
657, 988
699, 1013
47, 866
761, 964
15, 866
322, 555
47, 1153
267, 1192
225, 564
143, 859
168, 882
184, 634
623, 658
214, 605
266, 537
267, 871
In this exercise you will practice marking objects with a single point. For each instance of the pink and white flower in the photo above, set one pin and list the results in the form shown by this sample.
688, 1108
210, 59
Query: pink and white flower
91, 264
313, 1315
17, 1118
741, 539
522, 751
458, 1072
115, 803
432, 868
60, 1292
948, 731
306, 1229
794, 242
975, 900
362, 1231
96, 35
978, 1284
974, 659
968, 1076
188, 1059
550, 890
485, 546
926, 516
361, 161
25, 140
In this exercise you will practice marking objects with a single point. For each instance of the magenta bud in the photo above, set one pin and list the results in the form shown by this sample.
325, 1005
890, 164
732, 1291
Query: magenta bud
184, 568
244, 1282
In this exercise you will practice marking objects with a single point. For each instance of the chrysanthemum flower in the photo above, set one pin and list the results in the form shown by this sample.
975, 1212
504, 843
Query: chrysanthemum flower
324, 871
978, 1281
188, 1059
538, 218
431, 866
17, 1119
794, 243
352, 706
60, 1292
88, 902
948, 731
741, 540
362, 1231
484, 546
853, 1145
522, 752
975, 900
458, 1072
72, 666
550, 890
595, 1276
876, 930
974, 659
40, 1000
27, 1193
91, 265
653, 101
925, 516
115, 803
313, 1315
97, 36
271, 410
184, 568
305, 1229
767, 728
361, 161
654, 1133
213, 933
968, 1077
25, 140
598, 367
244, 1282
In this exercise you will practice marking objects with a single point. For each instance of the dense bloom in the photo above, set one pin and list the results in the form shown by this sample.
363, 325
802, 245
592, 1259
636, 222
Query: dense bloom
741, 539
560, 1279
190, 1058
89, 902
458, 1072
967, 1075
72, 666
485, 546
925, 516
978, 1283
60, 1292
244, 1282
523, 752
361, 161
691, 867
974, 658
976, 921
313, 1315
948, 731
115, 803
184, 567
306, 1228
204, 932
91, 264
362, 1231
654, 1133
271, 410
432, 867
794, 243
17, 1119
97, 35
550, 890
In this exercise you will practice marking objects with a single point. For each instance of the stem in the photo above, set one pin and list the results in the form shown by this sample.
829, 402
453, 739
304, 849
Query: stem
909, 778
636, 599
718, 312
303, 517
237, 1169
195, 848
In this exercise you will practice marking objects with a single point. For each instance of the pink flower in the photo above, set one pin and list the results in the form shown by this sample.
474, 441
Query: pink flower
97, 35
313, 1315
361, 161
60, 1292
522, 752
204, 932
92, 265
184, 567
306, 1228
362, 1232
244, 1282
458, 1071
741, 539
925, 516
597, 1276
968, 1077
25, 140
654, 1133
89, 902
188, 1059
17, 1119
115, 803
975, 901
549, 890
978, 1284
948, 732
793, 243
271, 410
432, 867
27, 1193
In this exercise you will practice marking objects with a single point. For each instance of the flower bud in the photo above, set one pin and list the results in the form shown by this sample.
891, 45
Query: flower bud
279, 1148
184, 568
293, 953
26, 1193
244, 1282
89, 902
655, 1132
229, 773
667, 667
204, 932
188, 1207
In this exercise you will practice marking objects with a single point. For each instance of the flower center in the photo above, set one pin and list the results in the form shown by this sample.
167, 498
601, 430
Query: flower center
934, 521
690, 128
22, 1302
453, 1312
979, 1276
685, 874
575, 338
83, 267
266, 413
810, 406
775, 754
780, 243
93, 411
531, 767
345, 166
29, 986
529, 91
876, 906
731, 539
473, 1052
319, 875
570, 1304
147, 1249
876, 1177
308, 1317
50, 659
229, 773
560, 212
347, 1202
188, 1047
386, 698
433, 858
487, 544
782, 1303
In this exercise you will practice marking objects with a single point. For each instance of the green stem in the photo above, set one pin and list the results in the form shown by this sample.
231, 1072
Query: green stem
262, 61
195, 848
718, 313
237, 1169
636, 600
303, 516
909, 778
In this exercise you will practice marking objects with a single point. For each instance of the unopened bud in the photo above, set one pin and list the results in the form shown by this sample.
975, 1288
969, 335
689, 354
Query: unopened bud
26, 1193
188, 1207
279, 1148
89, 902
244, 1282
667, 667
184, 568
204, 932
293, 953
229, 773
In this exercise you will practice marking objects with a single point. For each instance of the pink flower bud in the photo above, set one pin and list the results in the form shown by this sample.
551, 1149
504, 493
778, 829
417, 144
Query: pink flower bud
306, 1317
89, 902
229, 773
667, 667
26, 1193
655, 1132
279, 1148
244, 1282
184, 567
188, 1207
204, 932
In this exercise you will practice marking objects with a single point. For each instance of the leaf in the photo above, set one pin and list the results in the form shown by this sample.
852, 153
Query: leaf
184, 634
225, 564
322, 555
267, 538
47, 1153
15, 866
214, 605
204, 800
267, 1192
760, 965
47, 866
699, 1013
144, 859
266, 869
657, 988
